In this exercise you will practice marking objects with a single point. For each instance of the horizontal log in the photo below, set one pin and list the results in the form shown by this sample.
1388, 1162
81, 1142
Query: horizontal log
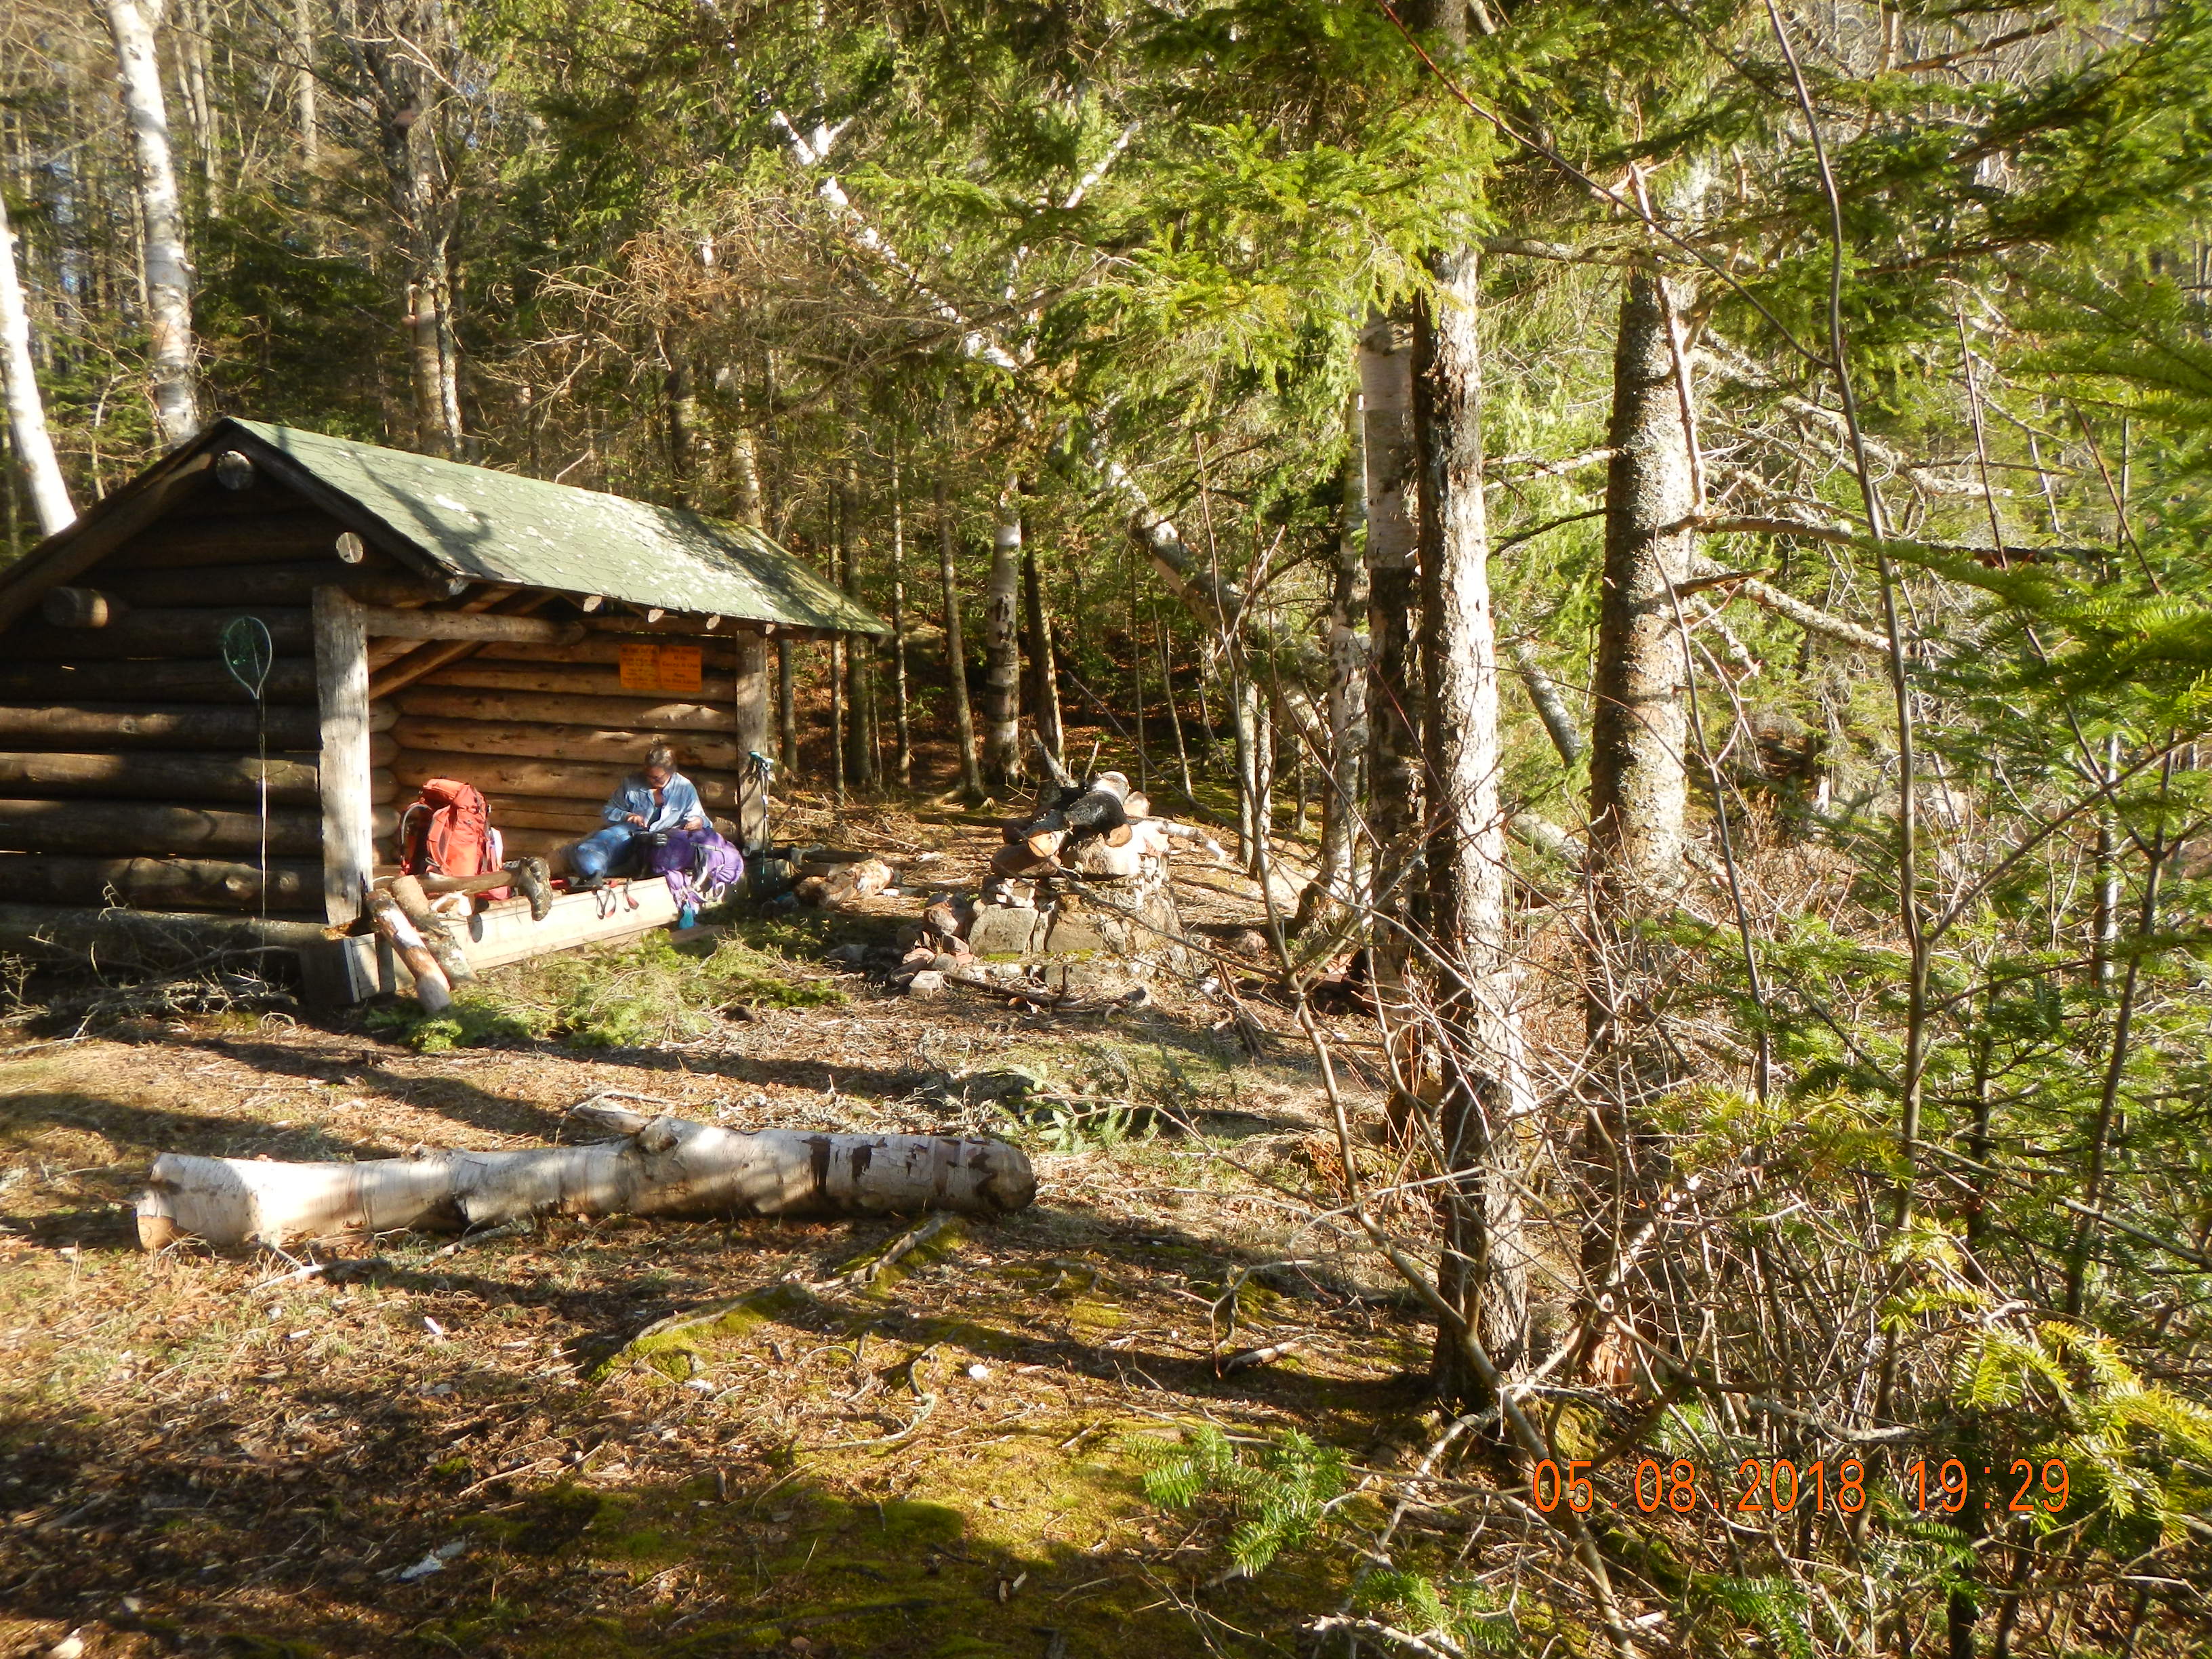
570, 780
159, 883
542, 812
630, 713
293, 582
540, 844
156, 775
230, 538
62, 933
479, 674
80, 607
384, 623
605, 650
583, 743
157, 829
167, 632
181, 726
661, 1166
291, 680
682, 625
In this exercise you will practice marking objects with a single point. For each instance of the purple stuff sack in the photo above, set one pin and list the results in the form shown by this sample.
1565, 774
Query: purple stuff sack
701, 866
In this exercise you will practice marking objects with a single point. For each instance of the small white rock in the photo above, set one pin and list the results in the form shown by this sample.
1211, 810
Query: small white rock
70, 1647
979, 1373
433, 1326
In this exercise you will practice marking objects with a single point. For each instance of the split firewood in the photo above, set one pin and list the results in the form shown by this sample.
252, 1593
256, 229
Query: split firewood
1120, 836
656, 1166
432, 989
1017, 993
1101, 857
1190, 832
849, 882
1103, 806
949, 916
1043, 843
415, 904
1137, 806
1018, 861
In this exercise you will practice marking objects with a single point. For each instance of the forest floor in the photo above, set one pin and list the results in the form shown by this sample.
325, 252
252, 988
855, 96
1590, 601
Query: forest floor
444, 1447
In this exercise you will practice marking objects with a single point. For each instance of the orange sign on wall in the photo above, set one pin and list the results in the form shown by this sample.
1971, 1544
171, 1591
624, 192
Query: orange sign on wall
671, 670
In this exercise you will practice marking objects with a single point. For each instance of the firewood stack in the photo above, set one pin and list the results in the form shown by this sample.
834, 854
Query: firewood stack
1078, 898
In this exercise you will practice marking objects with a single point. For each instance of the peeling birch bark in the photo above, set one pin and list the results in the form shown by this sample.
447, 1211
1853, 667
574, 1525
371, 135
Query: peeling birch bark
657, 1166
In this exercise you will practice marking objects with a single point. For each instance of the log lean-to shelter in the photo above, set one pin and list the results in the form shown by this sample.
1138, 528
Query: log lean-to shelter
427, 619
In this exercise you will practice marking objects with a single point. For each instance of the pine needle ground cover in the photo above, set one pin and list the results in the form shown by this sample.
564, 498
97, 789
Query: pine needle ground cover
210, 1453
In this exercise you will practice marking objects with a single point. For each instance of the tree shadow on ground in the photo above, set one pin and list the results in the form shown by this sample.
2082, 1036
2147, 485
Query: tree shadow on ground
231, 1536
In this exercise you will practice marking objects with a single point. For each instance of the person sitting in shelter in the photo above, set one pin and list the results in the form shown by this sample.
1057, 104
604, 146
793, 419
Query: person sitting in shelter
649, 803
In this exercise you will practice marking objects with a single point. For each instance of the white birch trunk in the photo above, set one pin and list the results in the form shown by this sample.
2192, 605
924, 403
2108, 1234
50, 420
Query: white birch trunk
1485, 1101
169, 268
26, 412
1002, 644
661, 1166
956, 650
305, 94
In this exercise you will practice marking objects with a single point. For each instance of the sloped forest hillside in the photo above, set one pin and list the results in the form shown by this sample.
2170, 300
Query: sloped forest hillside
1666, 545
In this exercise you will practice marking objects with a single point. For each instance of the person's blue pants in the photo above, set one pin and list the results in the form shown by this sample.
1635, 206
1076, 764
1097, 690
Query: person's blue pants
603, 853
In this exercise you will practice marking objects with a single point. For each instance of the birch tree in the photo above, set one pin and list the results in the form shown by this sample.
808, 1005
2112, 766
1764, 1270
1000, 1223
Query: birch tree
172, 351
27, 410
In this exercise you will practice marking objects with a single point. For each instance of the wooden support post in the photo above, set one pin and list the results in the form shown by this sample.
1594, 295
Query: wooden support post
341, 695
752, 735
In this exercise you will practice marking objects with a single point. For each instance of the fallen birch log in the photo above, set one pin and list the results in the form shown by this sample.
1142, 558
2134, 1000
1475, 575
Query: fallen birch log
657, 1166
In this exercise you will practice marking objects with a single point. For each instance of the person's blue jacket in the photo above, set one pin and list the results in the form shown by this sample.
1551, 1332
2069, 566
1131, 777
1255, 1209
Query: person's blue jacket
679, 803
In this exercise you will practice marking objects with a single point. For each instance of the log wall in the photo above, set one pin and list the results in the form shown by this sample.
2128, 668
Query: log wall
548, 732
129, 756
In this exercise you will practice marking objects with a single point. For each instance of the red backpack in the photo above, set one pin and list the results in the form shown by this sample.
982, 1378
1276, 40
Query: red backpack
446, 832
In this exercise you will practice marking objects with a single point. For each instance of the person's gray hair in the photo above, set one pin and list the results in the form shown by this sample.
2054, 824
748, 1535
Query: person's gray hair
662, 755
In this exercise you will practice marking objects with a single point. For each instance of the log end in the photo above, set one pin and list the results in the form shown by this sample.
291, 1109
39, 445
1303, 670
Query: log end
157, 1229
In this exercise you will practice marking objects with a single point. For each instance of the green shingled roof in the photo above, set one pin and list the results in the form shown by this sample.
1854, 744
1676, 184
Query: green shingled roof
497, 527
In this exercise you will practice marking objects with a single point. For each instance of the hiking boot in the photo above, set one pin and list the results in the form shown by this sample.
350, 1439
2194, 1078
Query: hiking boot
533, 879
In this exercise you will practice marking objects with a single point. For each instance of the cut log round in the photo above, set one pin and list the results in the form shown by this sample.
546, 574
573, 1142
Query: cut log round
291, 680
1043, 843
661, 1166
293, 583
154, 828
178, 726
159, 883
432, 989
571, 781
474, 673
79, 607
617, 713
155, 775
171, 632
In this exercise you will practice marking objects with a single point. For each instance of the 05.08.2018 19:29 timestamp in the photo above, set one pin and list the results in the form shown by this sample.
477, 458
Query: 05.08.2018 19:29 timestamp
1778, 1485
